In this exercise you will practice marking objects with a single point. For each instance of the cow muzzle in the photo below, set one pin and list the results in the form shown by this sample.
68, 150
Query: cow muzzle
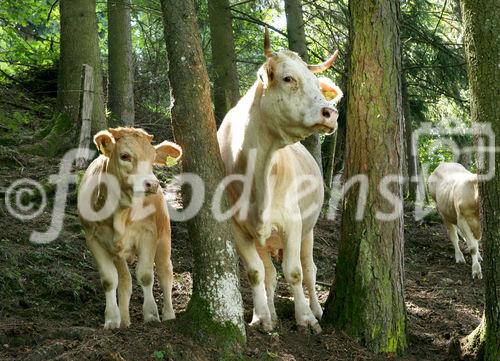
328, 121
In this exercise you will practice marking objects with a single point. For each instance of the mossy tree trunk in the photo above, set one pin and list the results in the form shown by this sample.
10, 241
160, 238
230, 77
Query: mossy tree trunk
297, 42
226, 84
120, 63
216, 302
481, 19
79, 45
367, 298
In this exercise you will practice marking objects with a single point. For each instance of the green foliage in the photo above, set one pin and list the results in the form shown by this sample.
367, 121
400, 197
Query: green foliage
29, 36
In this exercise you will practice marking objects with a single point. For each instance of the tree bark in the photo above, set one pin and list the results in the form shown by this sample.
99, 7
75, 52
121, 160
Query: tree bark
216, 302
120, 63
367, 299
226, 84
79, 45
481, 19
297, 42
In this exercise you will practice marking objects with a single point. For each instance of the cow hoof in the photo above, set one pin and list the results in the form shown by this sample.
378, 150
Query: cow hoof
476, 271
125, 324
459, 258
317, 312
315, 328
111, 324
266, 325
168, 315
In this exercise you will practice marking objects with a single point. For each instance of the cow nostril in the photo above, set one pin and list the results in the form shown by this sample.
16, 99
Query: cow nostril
326, 112
147, 185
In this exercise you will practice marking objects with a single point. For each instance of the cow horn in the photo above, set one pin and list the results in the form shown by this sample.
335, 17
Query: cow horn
318, 68
267, 44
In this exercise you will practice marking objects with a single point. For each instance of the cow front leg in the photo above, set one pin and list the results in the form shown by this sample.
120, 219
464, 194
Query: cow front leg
452, 233
292, 270
255, 272
109, 281
145, 278
309, 269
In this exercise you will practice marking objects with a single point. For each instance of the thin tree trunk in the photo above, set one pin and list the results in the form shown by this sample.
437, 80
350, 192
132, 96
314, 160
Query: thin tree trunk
120, 63
79, 45
297, 42
216, 301
226, 84
481, 19
410, 158
367, 299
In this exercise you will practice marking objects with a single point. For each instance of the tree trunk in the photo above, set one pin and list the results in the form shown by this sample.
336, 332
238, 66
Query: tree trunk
216, 303
481, 19
120, 63
79, 45
410, 158
297, 43
226, 84
367, 299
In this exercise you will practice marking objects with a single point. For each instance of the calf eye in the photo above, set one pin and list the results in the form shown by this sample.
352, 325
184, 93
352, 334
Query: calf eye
287, 79
125, 157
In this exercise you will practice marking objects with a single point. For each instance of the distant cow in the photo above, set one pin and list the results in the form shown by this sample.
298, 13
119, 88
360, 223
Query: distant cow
138, 226
455, 191
285, 105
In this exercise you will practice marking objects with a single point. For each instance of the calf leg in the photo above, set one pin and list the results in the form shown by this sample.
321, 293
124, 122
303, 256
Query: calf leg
109, 280
473, 245
452, 233
309, 269
124, 291
255, 273
270, 282
166, 277
292, 270
145, 277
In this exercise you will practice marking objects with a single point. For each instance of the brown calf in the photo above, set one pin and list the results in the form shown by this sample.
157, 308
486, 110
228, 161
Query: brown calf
124, 214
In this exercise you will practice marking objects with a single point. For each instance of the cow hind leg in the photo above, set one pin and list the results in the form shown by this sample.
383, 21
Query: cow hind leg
270, 282
452, 233
255, 272
473, 245
109, 281
124, 291
292, 270
145, 277
309, 269
166, 278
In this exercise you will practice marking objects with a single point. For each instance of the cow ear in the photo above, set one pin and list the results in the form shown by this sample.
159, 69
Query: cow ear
167, 153
266, 73
330, 90
105, 142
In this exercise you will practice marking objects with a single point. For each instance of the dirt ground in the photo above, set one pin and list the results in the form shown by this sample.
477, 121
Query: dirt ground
52, 305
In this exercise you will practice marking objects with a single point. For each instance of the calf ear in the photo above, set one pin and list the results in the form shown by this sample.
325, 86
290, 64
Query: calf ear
105, 142
167, 153
330, 91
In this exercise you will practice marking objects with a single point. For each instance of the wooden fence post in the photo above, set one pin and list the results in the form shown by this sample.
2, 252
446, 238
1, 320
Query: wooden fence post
86, 105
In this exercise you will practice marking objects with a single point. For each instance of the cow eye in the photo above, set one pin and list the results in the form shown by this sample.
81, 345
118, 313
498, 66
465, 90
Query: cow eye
125, 157
287, 79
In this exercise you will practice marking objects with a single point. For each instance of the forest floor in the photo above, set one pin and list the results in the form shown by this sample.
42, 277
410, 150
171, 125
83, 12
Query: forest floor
52, 305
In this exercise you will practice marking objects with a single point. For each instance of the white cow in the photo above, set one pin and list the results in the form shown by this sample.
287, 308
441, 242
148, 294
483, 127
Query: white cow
262, 132
455, 191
